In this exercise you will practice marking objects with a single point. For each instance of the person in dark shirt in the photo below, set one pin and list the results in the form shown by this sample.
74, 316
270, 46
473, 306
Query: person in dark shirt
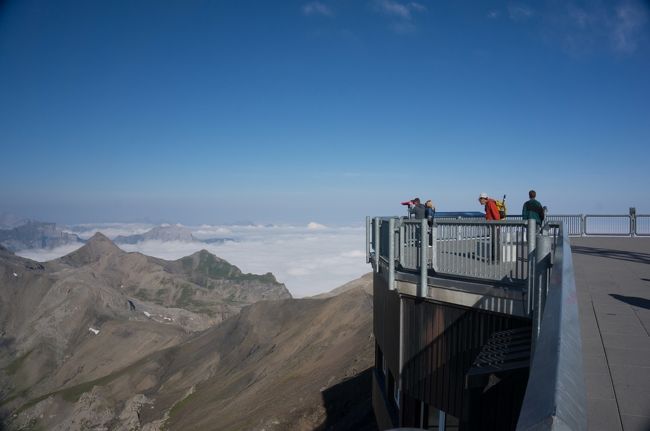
533, 209
429, 211
417, 209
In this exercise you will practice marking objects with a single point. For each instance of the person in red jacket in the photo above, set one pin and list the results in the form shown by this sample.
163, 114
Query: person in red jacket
492, 213
491, 210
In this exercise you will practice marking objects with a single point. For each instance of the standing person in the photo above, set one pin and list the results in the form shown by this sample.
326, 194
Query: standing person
491, 213
429, 211
533, 209
491, 210
417, 209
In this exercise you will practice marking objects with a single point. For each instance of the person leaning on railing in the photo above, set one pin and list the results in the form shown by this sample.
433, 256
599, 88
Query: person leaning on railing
491, 210
491, 213
533, 209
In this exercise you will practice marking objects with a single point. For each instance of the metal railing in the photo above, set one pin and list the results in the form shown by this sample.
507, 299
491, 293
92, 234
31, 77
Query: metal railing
481, 249
573, 224
592, 224
478, 249
631, 224
608, 225
642, 225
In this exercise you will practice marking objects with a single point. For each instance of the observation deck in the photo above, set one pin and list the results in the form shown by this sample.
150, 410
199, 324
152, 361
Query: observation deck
477, 326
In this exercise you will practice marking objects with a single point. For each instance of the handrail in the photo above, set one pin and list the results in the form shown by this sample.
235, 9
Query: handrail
555, 394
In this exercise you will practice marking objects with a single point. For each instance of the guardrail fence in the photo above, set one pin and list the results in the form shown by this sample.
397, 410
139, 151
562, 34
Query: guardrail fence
503, 252
642, 225
631, 224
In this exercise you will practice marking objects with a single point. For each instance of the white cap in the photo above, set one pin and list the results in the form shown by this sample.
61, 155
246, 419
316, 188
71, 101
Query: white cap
483, 196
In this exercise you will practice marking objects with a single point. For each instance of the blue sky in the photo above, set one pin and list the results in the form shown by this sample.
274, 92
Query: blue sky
213, 111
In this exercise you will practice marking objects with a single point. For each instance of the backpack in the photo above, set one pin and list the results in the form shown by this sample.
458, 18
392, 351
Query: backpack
501, 206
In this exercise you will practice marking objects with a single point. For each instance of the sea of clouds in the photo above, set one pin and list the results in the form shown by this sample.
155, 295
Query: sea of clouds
308, 259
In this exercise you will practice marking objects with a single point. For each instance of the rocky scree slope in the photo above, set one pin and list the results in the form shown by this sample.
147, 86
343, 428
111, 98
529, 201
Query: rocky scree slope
98, 310
297, 364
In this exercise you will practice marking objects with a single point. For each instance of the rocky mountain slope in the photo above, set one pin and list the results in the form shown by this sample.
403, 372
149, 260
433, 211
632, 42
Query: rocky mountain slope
99, 309
283, 364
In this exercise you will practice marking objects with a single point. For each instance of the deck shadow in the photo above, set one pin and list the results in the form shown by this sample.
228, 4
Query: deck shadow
632, 300
349, 405
630, 256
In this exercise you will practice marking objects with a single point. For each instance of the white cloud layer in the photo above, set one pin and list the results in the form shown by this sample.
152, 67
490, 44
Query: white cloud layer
309, 259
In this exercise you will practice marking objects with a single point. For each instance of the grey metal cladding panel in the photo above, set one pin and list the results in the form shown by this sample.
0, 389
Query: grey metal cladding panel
392, 331
555, 396
379, 289
386, 322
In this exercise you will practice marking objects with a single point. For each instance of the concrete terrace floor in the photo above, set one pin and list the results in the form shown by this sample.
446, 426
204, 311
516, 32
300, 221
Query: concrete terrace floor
613, 284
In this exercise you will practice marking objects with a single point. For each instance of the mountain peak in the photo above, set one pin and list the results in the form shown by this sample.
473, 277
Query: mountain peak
98, 246
98, 238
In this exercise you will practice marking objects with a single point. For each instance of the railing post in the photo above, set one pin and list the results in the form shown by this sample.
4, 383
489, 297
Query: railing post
434, 246
583, 225
377, 240
424, 248
391, 253
368, 238
531, 235
402, 240
542, 264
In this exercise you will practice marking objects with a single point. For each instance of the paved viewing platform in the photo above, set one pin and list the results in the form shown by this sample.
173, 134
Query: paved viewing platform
613, 284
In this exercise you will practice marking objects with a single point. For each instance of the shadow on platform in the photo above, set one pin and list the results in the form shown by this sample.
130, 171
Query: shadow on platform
632, 300
349, 405
630, 256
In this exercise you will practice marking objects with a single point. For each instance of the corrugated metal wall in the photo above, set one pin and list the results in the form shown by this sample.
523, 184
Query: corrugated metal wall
441, 341
440, 344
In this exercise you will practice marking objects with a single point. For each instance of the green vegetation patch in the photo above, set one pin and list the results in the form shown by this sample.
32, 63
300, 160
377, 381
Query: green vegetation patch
215, 268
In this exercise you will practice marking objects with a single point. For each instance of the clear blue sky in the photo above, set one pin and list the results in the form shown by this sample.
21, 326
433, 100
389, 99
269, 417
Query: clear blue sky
200, 111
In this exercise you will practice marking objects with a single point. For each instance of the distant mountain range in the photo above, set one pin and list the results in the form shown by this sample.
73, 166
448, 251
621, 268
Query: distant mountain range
34, 234
18, 233
104, 339
159, 233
